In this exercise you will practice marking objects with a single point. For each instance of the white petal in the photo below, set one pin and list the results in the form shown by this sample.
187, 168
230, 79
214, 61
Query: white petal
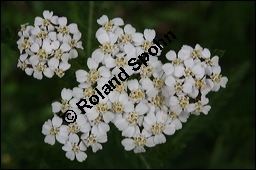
48, 72
160, 138
81, 76
179, 71
102, 20
56, 121
170, 81
56, 107
223, 82
91, 63
47, 14
53, 63
141, 108
169, 129
38, 21
104, 72
66, 94
103, 38
29, 71
70, 155
149, 34
81, 156
129, 131
34, 48
38, 75
118, 21
52, 36
128, 144
98, 55
62, 21
187, 88
49, 139
65, 47
168, 68
73, 28
206, 53
55, 45
96, 147
171, 55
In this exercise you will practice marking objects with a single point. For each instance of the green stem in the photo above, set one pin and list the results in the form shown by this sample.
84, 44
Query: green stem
145, 162
89, 29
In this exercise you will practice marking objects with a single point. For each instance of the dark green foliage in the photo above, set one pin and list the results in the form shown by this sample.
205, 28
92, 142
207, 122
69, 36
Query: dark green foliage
223, 139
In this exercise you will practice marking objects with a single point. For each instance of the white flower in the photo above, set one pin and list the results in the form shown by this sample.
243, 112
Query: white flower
24, 64
201, 106
180, 103
64, 30
120, 103
177, 119
75, 149
67, 102
107, 48
54, 129
177, 66
108, 25
80, 125
136, 94
125, 36
25, 30
138, 142
131, 121
100, 109
157, 124
178, 86
217, 80
47, 21
25, 43
94, 139
94, 74
74, 43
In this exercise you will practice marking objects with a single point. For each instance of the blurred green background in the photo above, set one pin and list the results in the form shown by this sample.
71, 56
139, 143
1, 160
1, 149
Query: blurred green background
223, 139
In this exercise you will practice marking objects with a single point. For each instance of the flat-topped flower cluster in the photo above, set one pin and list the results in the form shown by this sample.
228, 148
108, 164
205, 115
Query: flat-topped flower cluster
47, 46
154, 102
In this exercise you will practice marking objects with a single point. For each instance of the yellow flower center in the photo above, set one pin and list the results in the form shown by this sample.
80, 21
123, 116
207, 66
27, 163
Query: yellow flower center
91, 140
196, 54
146, 71
146, 45
133, 118
125, 38
75, 148
183, 101
177, 62
136, 94
140, 140
107, 48
54, 131
157, 100
101, 108
121, 62
93, 76
157, 128
108, 26
73, 128
216, 77
118, 107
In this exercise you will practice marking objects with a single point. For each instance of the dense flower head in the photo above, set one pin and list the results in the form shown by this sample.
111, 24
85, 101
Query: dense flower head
46, 47
154, 101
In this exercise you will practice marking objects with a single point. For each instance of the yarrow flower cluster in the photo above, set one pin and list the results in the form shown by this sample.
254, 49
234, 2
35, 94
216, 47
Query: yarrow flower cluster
154, 102
47, 46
